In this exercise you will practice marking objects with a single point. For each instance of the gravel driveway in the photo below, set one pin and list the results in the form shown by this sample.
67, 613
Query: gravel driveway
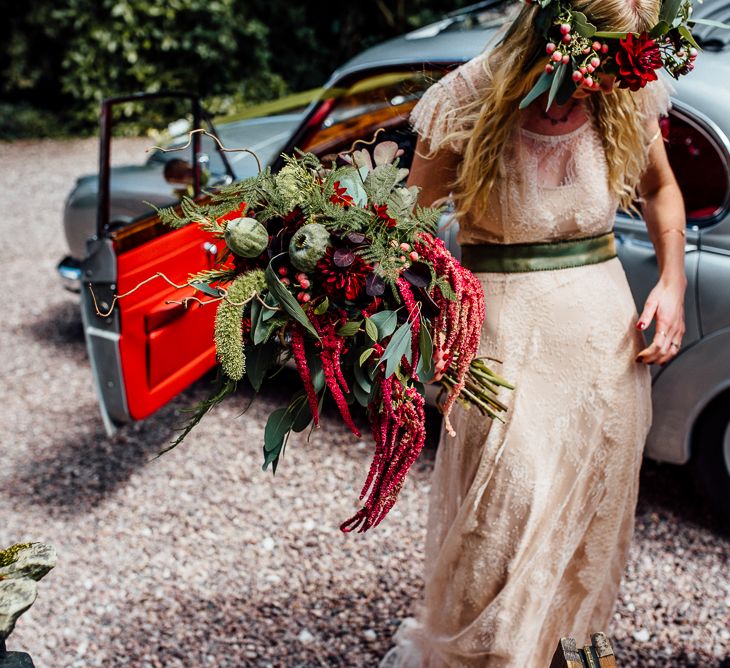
200, 558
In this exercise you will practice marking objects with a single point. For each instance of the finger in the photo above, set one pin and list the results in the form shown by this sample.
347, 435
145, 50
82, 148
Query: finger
647, 315
649, 354
665, 341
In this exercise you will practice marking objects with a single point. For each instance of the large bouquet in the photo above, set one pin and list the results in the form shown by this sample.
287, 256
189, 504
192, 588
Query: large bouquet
341, 270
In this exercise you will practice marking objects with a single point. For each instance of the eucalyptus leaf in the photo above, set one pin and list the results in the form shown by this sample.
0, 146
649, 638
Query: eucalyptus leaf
316, 372
206, 288
365, 355
350, 328
399, 346
371, 329
302, 413
361, 379
684, 31
711, 22
661, 28
582, 25
286, 299
259, 359
558, 75
669, 10
268, 313
279, 423
541, 85
322, 307
355, 190
566, 90
362, 397
386, 322
425, 350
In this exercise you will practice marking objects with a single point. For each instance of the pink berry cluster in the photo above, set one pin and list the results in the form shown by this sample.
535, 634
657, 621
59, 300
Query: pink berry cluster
678, 57
408, 253
572, 46
301, 280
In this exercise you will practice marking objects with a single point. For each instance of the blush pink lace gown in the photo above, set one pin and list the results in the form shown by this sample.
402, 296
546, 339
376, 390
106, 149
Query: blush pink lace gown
530, 521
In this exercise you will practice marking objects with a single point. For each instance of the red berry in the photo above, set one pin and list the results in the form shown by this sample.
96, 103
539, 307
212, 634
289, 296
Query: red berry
305, 283
304, 297
550, 47
557, 56
590, 68
566, 59
693, 53
588, 81
566, 39
413, 255
577, 76
604, 48
586, 51
549, 68
583, 70
405, 247
596, 46
283, 271
565, 28
595, 62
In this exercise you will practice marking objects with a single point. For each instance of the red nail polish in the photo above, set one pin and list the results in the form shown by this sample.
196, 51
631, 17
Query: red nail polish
640, 325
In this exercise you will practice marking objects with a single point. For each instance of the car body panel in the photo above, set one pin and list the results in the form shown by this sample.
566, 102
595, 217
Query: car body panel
132, 185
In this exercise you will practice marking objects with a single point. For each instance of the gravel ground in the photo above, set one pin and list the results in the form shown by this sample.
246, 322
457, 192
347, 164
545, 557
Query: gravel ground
199, 558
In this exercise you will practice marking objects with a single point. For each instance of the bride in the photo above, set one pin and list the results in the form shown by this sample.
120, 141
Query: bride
530, 521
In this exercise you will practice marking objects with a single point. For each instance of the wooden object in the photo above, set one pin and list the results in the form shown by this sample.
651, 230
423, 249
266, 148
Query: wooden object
599, 654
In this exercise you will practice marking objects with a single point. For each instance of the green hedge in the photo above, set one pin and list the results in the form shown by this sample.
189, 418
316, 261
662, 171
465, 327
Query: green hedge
61, 57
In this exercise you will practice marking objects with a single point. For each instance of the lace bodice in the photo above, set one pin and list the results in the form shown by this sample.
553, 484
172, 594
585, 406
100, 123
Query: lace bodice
550, 186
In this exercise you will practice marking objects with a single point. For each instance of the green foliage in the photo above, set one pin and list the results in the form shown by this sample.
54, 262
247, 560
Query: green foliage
228, 323
62, 57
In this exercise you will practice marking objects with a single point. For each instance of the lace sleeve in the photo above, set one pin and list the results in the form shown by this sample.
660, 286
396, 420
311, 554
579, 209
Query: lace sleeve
439, 112
654, 101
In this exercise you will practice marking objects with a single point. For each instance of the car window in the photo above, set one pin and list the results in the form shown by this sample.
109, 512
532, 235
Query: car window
700, 165
383, 100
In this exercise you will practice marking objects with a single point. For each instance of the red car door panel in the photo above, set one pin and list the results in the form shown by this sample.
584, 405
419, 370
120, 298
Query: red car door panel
164, 346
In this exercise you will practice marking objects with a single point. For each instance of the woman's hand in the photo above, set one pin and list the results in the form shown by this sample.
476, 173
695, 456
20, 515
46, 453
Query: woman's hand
663, 212
665, 303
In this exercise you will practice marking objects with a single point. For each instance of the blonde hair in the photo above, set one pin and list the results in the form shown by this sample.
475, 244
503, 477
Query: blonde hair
512, 68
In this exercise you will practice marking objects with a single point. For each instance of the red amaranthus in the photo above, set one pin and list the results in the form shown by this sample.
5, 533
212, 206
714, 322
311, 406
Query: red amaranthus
457, 328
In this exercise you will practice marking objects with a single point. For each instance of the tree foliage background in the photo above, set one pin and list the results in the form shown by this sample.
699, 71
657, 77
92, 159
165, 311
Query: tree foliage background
60, 58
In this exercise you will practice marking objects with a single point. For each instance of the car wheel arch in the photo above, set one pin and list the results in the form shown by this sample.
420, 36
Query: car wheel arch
683, 391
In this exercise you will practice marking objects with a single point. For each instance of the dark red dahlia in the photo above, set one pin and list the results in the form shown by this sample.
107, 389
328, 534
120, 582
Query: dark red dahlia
637, 60
340, 195
342, 282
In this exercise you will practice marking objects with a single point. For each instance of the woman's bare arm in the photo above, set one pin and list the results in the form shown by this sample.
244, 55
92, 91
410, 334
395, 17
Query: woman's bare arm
434, 175
663, 211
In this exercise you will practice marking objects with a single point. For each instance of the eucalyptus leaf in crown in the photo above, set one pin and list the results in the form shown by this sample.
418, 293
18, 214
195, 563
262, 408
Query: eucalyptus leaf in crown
339, 269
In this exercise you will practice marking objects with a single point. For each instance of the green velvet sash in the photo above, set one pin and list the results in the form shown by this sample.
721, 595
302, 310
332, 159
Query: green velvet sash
509, 258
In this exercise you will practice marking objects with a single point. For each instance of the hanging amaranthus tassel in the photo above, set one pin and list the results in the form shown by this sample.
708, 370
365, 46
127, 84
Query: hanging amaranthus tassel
300, 359
398, 427
331, 351
457, 328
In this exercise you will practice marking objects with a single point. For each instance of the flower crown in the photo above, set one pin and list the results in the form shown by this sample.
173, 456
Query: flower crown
579, 53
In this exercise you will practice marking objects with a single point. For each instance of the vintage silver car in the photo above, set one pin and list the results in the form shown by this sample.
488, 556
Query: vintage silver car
138, 368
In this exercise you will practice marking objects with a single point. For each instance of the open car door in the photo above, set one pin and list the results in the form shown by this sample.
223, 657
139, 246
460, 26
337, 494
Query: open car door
135, 349
148, 348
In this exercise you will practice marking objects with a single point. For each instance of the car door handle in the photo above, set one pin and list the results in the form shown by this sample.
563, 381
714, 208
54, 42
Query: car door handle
163, 316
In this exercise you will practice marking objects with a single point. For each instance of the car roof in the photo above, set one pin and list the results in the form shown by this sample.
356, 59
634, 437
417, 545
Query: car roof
464, 34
